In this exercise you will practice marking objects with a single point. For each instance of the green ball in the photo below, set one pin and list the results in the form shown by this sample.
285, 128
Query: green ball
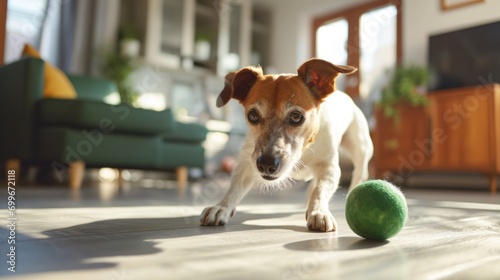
376, 209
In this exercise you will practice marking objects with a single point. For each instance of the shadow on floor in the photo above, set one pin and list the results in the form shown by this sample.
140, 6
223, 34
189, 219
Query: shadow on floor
80, 247
341, 243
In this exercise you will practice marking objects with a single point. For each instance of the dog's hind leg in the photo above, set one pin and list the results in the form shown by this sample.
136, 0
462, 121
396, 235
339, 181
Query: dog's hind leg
359, 147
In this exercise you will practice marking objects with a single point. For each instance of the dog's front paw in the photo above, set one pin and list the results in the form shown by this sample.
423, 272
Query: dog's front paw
216, 215
320, 220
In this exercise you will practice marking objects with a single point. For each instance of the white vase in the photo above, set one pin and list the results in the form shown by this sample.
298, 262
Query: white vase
130, 47
202, 50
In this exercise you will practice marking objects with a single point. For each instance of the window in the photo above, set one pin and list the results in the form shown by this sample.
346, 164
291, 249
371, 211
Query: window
24, 24
25, 17
333, 48
378, 42
367, 37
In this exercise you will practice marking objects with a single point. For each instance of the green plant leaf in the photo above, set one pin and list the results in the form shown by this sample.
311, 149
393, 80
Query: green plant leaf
402, 88
118, 68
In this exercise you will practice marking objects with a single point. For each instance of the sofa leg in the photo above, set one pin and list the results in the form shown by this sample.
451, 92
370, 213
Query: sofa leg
15, 165
181, 174
120, 178
76, 171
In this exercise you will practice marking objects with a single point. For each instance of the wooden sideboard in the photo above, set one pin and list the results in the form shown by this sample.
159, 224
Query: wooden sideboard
458, 131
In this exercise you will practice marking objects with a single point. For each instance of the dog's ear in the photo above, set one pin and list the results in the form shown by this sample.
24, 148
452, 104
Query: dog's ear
320, 75
237, 85
227, 91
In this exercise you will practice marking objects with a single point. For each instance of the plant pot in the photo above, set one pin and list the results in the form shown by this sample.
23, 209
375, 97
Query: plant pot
202, 50
130, 47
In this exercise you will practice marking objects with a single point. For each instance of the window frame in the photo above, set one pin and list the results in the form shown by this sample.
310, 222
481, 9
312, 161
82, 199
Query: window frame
3, 26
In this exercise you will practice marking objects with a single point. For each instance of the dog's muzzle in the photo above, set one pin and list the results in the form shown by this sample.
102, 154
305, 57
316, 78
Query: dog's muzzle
268, 167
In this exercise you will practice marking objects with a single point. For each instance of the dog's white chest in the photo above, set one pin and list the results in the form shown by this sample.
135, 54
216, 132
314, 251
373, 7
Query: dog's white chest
336, 116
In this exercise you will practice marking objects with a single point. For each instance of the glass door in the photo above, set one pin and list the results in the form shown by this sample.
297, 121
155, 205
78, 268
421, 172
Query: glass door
331, 45
367, 37
378, 41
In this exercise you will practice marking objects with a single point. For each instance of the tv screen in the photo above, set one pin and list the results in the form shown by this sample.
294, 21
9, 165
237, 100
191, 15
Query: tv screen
460, 58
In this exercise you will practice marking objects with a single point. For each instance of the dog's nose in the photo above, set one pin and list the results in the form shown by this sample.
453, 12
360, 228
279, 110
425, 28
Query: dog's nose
268, 164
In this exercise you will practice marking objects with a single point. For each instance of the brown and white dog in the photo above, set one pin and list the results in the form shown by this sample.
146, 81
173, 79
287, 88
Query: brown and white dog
297, 123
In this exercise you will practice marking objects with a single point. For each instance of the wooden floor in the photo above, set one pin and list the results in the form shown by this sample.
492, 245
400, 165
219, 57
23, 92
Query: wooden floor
147, 233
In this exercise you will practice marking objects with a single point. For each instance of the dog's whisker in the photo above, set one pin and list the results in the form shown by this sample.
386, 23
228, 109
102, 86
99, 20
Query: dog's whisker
278, 185
304, 165
298, 167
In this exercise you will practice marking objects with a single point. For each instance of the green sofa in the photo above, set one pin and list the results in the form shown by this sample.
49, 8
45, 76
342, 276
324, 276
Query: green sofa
71, 134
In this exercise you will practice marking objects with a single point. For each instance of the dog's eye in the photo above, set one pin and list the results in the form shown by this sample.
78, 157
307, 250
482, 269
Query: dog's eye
296, 118
253, 117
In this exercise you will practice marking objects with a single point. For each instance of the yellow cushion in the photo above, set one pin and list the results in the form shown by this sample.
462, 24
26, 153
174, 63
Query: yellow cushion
56, 83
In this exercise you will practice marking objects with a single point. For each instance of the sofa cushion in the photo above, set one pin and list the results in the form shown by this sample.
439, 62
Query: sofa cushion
182, 154
187, 132
62, 145
56, 83
109, 118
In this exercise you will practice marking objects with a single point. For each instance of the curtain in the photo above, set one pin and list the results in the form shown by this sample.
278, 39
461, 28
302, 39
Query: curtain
57, 30
68, 33
96, 29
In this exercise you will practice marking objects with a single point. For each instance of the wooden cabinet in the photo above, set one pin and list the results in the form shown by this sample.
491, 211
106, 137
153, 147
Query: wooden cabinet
459, 132
397, 142
466, 119
469, 121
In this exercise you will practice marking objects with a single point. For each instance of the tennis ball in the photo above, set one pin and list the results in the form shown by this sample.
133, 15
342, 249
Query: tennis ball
376, 209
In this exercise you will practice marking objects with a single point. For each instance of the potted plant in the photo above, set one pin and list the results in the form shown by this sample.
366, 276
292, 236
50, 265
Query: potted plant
202, 46
401, 118
407, 87
129, 41
119, 62
117, 67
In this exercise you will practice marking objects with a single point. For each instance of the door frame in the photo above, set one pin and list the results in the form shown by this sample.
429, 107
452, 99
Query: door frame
3, 25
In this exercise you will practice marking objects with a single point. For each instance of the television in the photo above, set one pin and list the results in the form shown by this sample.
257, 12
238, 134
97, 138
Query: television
465, 57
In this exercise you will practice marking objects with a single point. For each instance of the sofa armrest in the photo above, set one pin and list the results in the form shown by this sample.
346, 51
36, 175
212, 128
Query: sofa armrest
21, 84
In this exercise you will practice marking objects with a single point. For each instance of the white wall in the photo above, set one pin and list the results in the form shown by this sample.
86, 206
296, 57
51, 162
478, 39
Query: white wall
292, 24
424, 18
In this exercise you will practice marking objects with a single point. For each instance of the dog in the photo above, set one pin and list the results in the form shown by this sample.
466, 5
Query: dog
297, 123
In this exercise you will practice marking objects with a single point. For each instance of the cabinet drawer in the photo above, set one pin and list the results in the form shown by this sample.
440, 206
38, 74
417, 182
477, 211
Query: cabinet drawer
401, 146
464, 121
